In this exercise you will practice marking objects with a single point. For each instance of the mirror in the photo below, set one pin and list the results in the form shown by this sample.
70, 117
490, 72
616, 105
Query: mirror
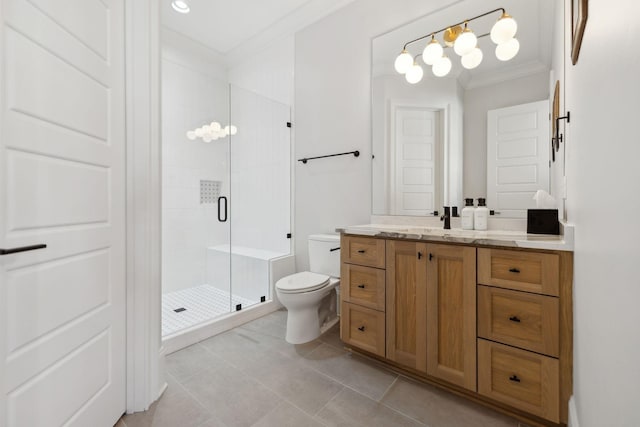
429, 140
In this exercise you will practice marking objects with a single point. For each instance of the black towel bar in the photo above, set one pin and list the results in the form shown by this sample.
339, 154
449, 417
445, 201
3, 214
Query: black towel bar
306, 159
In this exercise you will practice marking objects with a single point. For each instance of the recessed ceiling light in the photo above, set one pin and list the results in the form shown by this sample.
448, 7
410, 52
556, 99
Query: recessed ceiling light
180, 6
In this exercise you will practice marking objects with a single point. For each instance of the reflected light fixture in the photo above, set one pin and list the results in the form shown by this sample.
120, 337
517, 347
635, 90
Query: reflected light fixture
180, 6
211, 132
464, 43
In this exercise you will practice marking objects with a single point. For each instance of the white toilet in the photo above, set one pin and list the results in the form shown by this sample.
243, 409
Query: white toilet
311, 297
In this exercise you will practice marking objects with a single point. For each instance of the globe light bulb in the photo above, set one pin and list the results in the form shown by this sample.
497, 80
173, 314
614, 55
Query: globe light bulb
180, 6
415, 73
442, 67
199, 132
403, 62
215, 126
465, 43
207, 138
504, 29
233, 130
472, 59
506, 51
432, 52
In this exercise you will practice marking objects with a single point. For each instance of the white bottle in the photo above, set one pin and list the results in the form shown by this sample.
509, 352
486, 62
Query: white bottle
481, 215
467, 214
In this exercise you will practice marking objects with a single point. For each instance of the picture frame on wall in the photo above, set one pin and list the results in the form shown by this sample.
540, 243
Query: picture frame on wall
579, 14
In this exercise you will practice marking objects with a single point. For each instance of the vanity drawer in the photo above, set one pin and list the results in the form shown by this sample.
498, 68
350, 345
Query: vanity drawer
520, 319
363, 285
525, 271
519, 378
363, 251
363, 327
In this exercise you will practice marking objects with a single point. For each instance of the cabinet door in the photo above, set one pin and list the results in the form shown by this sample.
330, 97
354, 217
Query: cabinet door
406, 303
451, 314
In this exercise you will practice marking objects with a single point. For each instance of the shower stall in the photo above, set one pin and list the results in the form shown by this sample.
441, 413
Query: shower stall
226, 199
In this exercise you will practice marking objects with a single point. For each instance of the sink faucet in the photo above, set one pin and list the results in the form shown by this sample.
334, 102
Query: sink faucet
446, 218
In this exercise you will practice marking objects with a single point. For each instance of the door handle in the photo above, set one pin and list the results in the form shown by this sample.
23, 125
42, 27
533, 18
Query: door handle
220, 199
361, 286
21, 249
514, 270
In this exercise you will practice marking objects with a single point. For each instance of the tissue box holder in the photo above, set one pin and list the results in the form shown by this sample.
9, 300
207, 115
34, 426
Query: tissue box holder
543, 221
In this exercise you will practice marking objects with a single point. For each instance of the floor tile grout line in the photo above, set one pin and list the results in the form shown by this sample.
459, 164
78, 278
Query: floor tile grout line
388, 388
279, 404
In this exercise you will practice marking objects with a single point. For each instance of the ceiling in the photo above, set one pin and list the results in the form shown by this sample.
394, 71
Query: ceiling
535, 26
228, 25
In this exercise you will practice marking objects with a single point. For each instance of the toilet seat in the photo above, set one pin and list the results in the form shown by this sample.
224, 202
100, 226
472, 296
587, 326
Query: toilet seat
305, 281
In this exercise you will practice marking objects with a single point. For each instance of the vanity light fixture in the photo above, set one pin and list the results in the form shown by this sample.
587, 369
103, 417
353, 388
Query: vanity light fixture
180, 6
464, 43
211, 132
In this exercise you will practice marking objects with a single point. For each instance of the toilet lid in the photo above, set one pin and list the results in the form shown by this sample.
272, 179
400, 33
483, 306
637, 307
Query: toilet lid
302, 282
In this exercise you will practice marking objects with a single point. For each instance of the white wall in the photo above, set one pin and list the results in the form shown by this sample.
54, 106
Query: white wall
192, 95
268, 73
476, 104
332, 110
603, 201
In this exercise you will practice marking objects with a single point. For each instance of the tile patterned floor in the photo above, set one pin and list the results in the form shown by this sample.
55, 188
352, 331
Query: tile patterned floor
250, 376
202, 303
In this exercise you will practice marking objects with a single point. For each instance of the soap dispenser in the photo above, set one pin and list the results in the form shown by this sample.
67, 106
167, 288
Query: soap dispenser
481, 215
467, 214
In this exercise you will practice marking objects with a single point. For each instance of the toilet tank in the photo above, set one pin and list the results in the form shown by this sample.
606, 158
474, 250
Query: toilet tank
321, 258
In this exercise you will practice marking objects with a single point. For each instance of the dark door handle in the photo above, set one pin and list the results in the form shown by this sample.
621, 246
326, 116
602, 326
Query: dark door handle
514, 319
334, 249
430, 257
419, 255
361, 328
21, 249
361, 286
361, 251
514, 270
514, 378
220, 199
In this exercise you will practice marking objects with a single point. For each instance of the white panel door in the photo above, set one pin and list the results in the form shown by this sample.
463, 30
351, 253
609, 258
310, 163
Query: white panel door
517, 157
62, 183
415, 165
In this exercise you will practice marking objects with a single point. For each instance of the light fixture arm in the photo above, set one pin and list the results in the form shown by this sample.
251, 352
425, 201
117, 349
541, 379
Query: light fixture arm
432, 34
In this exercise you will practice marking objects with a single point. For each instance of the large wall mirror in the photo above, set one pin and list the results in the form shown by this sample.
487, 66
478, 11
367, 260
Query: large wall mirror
481, 132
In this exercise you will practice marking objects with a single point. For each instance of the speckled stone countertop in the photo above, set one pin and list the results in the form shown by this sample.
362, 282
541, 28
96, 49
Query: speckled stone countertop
508, 239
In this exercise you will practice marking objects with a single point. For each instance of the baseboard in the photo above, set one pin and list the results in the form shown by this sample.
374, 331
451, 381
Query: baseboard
573, 414
183, 339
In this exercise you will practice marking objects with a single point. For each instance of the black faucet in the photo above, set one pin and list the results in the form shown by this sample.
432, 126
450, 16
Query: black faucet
446, 218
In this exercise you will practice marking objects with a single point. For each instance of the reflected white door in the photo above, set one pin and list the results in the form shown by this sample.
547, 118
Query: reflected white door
62, 183
517, 157
414, 167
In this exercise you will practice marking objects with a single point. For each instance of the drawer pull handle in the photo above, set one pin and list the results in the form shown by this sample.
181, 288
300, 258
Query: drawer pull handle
514, 319
419, 255
514, 378
430, 257
361, 328
361, 251
361, 286
514, 270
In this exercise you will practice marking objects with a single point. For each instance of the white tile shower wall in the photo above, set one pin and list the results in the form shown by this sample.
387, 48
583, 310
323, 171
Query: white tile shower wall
260, 173
192, 95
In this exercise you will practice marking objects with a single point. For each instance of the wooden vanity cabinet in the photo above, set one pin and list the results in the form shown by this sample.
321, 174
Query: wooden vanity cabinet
451, 314
407, 303
492, 323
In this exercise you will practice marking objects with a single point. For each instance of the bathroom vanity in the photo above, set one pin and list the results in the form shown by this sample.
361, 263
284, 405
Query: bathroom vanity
475, 313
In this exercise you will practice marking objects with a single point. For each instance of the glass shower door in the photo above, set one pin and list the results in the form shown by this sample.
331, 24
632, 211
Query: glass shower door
260, 168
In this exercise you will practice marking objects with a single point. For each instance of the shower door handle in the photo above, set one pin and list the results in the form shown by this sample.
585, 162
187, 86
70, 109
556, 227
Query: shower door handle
220, 199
